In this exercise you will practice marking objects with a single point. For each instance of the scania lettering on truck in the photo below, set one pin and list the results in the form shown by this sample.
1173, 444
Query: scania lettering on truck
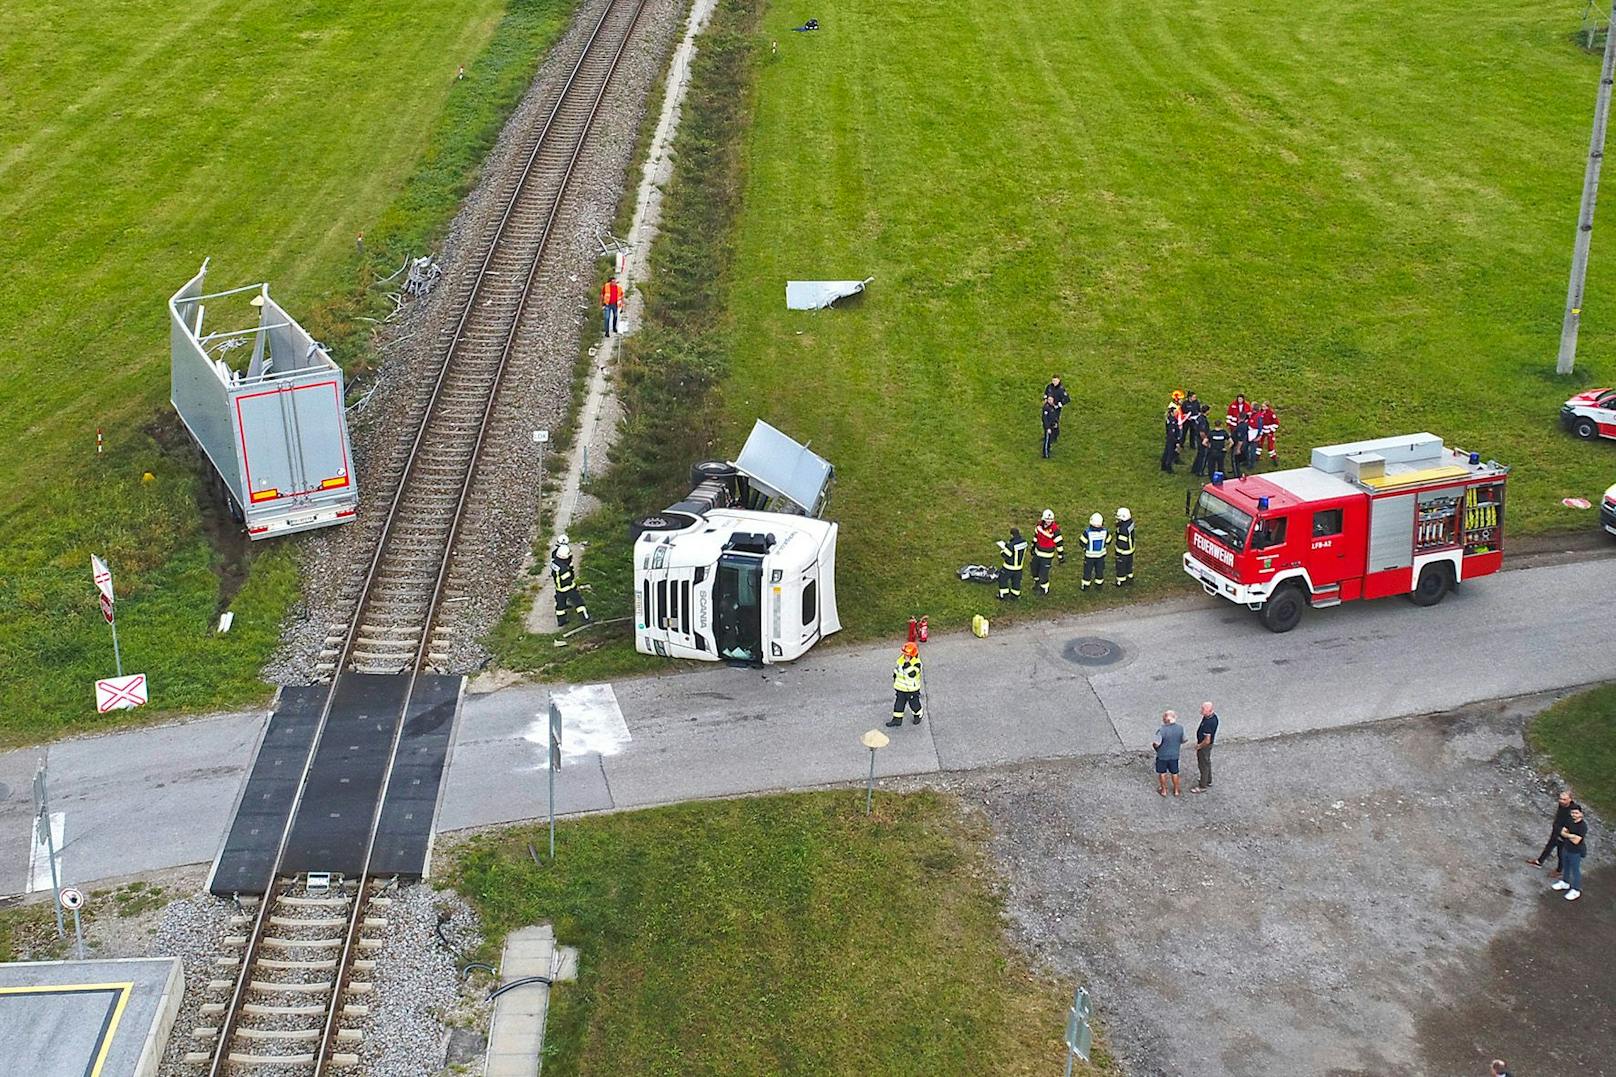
1390, 516
743, 570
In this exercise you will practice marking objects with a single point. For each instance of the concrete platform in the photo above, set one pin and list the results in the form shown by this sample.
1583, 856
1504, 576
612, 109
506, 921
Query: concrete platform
87, 1018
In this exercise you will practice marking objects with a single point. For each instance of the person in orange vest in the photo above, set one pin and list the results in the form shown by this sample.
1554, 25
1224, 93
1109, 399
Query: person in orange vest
611, 295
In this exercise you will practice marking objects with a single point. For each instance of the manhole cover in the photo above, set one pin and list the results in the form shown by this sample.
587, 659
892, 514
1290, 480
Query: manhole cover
1092, 651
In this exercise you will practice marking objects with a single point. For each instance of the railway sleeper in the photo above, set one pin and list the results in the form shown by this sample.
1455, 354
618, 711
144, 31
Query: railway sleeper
295, 921
275, 942
242, 1058
274, 987
264, 1009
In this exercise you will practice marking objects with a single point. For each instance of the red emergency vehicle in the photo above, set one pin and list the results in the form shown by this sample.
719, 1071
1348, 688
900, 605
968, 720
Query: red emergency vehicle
1389, 516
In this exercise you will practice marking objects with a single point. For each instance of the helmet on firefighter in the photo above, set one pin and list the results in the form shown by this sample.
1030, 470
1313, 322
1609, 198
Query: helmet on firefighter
1178, 394
1096, 520
910, 650
1049, 516
1124, 515
563, 552
561, 539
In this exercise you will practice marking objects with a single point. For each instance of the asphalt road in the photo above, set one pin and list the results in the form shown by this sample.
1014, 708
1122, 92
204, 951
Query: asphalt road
157, 798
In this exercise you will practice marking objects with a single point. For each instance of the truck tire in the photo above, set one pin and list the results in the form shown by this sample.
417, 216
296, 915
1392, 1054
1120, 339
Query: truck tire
1435, 581
722, 470
659, 521
1585, 428
1283, 610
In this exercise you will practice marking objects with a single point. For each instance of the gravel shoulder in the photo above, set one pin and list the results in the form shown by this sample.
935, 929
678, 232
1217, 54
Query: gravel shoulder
1347, 902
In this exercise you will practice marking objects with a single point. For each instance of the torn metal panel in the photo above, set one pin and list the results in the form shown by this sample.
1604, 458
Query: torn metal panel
783, 469
817, 294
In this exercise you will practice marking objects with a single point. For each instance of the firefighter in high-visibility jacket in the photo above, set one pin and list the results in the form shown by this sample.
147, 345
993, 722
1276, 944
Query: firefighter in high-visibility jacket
906, 685
1095, 539
1124, 547
1047, 544
565, 578
1012, 560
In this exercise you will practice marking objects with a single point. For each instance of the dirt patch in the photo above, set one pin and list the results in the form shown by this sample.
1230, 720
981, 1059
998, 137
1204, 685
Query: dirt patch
1346, 902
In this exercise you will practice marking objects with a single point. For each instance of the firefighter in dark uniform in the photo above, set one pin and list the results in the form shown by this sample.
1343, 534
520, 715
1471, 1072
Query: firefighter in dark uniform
1095, 539
1190, 410
1200, 428
1239, 438
1012, 560
1057, 392
906, 685
1124, 547
1047, 544
565, 578
1217, 444
1170, 438
1052, 413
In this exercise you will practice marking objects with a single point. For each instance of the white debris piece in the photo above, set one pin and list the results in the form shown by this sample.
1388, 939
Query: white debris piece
817, 294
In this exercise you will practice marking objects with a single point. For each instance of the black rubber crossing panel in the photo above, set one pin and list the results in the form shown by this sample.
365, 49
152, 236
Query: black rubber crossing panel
404, 838
345, 780
247, 861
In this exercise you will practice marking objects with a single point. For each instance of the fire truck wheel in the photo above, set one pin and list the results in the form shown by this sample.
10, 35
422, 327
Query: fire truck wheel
1434, 582
1585, 429
1283, 610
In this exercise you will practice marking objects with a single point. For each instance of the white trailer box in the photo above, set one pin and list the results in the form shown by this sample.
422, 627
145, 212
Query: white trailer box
275, 432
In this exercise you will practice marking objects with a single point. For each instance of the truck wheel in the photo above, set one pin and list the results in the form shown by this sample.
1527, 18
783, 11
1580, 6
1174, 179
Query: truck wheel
1434, 582
722, 470
1585, 428
1283, 610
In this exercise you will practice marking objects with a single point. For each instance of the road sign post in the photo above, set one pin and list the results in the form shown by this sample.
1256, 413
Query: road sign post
48, 839
103, 582
1079, 1036
541, 438
874, 740
555, 765
70, 898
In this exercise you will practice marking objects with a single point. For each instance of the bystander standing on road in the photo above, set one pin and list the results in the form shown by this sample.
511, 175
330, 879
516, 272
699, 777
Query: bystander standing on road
1562, 816
1205, 734
1168, 742
1573, 846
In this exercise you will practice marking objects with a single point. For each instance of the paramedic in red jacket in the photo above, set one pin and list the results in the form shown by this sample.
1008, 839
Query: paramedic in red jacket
1238, 407
1268, 424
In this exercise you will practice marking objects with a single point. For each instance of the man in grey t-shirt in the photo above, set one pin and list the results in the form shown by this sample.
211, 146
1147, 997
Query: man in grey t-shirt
1168, 741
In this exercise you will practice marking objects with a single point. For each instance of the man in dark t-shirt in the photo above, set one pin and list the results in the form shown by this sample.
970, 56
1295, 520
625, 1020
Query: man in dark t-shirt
1574, 846
1205, 734
1562, 816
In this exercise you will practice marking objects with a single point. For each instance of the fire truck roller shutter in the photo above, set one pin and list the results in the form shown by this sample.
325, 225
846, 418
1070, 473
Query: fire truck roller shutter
1391, 533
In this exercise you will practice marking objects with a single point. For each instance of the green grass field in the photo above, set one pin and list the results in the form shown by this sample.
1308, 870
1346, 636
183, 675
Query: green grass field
1362, 212
137, 138
787, 935
1579, 735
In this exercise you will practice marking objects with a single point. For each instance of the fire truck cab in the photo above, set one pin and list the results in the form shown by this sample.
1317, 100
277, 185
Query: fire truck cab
1366, 519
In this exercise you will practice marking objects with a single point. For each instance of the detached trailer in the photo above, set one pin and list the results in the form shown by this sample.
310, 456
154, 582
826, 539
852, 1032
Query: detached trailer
276, 433
742, 570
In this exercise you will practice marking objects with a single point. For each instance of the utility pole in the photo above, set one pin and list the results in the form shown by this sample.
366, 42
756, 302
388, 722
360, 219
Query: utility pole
1590, 195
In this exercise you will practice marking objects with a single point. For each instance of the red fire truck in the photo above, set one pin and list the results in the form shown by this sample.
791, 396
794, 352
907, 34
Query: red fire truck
1390, 516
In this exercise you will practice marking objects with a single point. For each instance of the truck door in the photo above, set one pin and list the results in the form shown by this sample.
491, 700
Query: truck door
1327, 552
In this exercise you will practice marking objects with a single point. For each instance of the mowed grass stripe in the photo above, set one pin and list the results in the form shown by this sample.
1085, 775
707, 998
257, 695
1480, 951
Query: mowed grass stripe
1363, 214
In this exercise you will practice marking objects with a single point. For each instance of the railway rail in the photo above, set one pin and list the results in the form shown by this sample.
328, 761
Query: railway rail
303, 971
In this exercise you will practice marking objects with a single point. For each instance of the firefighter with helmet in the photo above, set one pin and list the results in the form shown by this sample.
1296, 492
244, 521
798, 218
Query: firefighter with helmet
1012, 561
1124, 547
1095, 539
906, 685
565, 578
1047, 544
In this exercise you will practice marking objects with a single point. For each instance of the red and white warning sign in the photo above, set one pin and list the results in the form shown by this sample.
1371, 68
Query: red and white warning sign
120, 693
106, 608
103, 579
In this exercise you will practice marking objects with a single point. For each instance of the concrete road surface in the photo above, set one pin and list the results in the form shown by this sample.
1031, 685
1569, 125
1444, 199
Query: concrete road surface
156, 798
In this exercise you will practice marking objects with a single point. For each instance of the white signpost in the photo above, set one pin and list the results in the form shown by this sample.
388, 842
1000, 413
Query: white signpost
555, 765
103, 582
120, 693
72, 900
1079, 1036
42, 816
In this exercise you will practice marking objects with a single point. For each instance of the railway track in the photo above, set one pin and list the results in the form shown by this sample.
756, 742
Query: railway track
301, 968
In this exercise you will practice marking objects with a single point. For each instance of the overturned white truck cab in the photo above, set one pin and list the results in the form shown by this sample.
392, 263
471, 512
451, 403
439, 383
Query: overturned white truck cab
742, 570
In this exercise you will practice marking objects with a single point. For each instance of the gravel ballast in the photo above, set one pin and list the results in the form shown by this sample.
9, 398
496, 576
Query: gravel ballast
498, 529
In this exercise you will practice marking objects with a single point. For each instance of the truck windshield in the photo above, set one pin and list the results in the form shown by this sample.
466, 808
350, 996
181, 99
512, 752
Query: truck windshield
738, 596
1222, 521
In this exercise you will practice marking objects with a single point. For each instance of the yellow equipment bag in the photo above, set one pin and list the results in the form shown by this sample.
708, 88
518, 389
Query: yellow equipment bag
979, 626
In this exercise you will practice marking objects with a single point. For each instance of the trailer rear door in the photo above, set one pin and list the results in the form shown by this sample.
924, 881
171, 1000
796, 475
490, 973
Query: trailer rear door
293, 443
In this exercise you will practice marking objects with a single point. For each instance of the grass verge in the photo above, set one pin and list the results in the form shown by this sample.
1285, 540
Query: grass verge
1579, 734
267, 136
786, 934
